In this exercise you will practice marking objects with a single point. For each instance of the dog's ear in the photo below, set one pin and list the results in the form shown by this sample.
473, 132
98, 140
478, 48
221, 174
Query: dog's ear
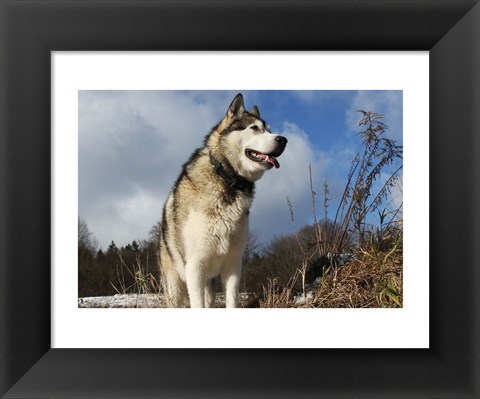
235, 110
237, 107
255, 111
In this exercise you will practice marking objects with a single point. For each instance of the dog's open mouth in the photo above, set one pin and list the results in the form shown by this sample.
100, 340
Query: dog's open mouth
262, 158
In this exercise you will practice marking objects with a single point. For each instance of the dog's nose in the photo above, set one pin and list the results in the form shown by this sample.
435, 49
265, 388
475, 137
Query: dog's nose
281, 140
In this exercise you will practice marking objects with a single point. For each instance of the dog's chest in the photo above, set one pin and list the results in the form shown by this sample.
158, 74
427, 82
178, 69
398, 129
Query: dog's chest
231, 214
228, 223
215, 230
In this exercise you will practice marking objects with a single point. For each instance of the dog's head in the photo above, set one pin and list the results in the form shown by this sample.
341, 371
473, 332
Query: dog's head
246, 142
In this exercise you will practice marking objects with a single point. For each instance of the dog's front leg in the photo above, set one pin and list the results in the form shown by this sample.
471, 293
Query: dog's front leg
231, 283
209, 294
196, 284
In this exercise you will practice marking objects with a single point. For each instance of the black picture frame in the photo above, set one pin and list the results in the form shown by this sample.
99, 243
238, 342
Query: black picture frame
30, 30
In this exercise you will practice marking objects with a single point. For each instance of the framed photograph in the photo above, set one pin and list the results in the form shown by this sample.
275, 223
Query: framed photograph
69, 68
164, 113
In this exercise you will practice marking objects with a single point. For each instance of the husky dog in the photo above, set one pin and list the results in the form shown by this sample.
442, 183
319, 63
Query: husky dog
205, 218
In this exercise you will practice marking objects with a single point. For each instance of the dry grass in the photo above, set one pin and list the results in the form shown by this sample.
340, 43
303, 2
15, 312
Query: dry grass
276, 296
134, 278
363, 283
374, 280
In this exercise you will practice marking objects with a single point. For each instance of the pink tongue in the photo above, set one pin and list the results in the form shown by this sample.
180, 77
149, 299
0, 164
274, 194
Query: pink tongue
272, 160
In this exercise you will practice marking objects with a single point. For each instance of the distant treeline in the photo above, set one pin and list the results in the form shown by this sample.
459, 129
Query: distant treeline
116, 269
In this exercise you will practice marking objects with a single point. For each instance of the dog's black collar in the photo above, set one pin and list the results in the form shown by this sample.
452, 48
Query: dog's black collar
232, 179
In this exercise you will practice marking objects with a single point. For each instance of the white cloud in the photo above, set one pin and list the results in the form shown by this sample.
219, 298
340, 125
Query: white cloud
131, 148
126, 218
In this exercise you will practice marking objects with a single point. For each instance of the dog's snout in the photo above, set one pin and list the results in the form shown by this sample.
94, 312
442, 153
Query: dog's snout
281, 140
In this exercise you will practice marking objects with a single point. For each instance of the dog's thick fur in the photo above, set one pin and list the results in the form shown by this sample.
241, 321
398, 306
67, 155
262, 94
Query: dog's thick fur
205, 217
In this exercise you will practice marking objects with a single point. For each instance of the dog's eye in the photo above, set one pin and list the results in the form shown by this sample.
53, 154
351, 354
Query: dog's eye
255, 128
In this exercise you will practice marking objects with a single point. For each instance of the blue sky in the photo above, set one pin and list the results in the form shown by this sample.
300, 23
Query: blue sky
132, 145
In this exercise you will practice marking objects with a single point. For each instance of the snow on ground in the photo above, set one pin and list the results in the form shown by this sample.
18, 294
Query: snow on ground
122, 301
142, 301
303, 299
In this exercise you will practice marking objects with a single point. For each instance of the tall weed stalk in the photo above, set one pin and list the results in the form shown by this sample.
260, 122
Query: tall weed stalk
359, 198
